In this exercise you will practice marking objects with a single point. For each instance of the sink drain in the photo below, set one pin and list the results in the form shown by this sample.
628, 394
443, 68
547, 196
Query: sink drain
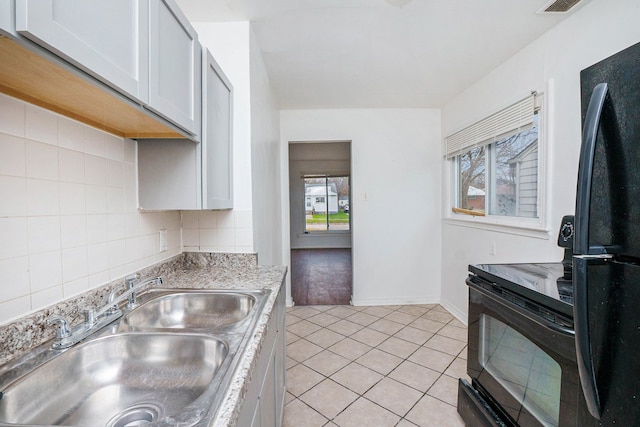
140, 415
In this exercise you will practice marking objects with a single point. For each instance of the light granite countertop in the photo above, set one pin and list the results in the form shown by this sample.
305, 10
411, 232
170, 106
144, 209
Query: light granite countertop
255, 277
188, 270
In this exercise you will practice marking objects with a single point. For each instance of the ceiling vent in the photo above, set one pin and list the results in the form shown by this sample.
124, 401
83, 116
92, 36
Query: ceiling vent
558, 6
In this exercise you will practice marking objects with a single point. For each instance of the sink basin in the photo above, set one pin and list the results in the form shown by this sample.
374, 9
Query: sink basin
196, 310
129, 379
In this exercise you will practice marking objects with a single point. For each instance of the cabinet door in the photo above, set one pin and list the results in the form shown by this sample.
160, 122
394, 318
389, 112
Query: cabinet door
107, 39
6, 16
217, 140
268, 396
168, 174
173, 66
279, 357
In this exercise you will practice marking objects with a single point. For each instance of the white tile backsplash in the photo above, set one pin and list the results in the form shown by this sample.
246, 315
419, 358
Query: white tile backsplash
41, 125
42, 161
94, 141
13, 231
12, 116
13, 155
190, 237
95, 170
71, 135
73, 231
71, 166
14, 308
226, 237
114, 174
14, 196
96, 199
43, 197
244, 237
226, 219
45, 270
44, 233
208, 237
217, 231
15, 277
75, 263
46, 297
208, 219
73, 199
69, 219
68, 215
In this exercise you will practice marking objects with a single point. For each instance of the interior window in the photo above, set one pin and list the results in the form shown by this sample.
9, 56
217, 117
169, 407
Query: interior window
326, 203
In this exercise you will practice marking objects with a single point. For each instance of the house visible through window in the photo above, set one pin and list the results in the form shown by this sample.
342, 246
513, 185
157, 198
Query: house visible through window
498, 176
326, 203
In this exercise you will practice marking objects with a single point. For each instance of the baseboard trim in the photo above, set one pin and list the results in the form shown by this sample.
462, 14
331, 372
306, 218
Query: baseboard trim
459, 314
394, 301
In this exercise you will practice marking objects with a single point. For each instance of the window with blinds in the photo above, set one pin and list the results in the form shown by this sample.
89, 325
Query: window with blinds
496, 163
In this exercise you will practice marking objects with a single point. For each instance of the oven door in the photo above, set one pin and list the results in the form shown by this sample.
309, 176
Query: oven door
522, 364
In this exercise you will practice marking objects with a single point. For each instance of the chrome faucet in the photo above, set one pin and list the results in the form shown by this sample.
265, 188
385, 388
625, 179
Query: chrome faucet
67, 336
133, 284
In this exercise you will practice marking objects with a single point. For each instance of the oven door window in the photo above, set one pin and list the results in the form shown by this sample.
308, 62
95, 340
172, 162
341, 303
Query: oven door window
522, 368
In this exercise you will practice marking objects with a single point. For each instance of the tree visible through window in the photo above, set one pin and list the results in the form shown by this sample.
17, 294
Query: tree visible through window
326, 203
500, 178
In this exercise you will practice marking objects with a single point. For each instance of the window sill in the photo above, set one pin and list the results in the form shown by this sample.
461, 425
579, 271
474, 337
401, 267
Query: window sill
324, 233
505, 225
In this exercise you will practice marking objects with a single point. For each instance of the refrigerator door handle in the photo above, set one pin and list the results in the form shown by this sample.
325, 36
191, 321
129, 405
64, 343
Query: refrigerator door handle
584, 354
585, 172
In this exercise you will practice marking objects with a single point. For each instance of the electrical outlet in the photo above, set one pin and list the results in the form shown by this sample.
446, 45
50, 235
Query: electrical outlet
492, 249
163, 240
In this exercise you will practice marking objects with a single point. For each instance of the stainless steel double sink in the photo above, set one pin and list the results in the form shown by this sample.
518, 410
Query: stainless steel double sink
167, 362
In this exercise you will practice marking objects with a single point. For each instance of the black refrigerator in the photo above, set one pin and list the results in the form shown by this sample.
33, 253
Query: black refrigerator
606, 262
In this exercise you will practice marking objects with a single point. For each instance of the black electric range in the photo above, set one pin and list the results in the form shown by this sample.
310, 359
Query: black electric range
543, 284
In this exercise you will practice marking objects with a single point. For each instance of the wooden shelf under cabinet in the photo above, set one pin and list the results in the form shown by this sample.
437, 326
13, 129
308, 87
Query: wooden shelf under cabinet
29, 76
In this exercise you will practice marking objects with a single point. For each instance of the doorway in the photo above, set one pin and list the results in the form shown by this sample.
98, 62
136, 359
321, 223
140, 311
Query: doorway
321, 221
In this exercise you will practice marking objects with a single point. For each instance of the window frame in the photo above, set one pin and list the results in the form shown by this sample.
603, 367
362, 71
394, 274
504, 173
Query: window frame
533, 227
325, 176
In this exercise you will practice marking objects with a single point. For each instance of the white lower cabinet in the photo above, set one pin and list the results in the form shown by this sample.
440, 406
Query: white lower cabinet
264, 402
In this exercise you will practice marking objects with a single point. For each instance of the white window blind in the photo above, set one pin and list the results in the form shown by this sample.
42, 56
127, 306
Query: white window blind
513, 119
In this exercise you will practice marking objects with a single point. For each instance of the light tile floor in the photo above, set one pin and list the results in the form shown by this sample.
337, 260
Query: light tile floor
373, 366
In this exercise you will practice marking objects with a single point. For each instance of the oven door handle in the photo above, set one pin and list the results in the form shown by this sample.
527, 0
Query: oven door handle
512, 306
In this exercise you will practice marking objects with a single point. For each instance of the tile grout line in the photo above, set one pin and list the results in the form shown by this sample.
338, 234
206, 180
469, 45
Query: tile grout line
355, 361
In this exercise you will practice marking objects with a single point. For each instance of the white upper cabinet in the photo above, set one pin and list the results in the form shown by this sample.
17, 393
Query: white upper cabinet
174, 65
107, 39
184, 175
217, 147
6, 16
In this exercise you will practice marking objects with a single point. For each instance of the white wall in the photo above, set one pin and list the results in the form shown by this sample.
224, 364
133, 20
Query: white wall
68, 210
254, 224
550, 64
265, 161
228, 231
395, 162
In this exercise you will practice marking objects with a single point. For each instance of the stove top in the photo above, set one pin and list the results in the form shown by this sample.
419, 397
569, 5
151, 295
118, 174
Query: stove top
544, 283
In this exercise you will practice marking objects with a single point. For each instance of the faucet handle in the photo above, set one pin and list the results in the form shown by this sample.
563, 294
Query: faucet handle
131, 280
89, 316
62, 327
